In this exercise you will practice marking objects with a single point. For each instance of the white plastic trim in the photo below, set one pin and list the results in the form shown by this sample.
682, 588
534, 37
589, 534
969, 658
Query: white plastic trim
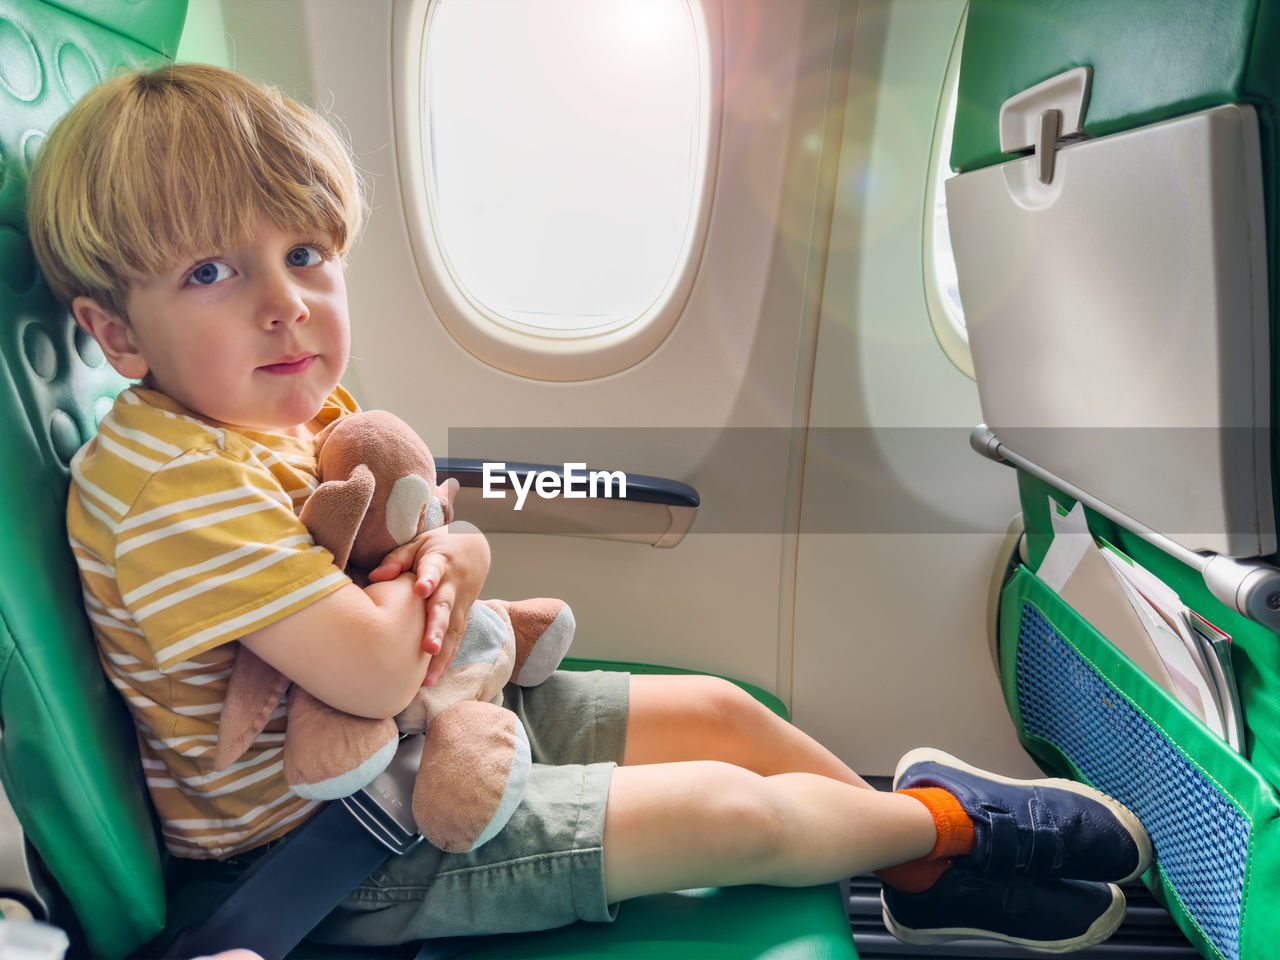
500, 341
948, 323
1068, 93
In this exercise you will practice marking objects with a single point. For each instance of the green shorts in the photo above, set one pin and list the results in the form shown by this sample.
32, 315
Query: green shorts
546, 868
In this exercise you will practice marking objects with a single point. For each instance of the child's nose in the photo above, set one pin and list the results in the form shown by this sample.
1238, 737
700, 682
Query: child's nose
282, 302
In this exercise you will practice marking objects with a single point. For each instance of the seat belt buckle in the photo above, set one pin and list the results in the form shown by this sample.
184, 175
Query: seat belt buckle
385, 806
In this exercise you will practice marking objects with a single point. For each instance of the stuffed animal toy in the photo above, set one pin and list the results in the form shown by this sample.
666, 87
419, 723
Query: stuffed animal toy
378, 490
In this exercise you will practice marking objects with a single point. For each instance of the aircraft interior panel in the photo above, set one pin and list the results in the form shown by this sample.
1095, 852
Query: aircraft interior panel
716, 404
916, 522
780, 329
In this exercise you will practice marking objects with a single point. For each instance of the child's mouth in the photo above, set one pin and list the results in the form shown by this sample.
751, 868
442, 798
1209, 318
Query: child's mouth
289, 366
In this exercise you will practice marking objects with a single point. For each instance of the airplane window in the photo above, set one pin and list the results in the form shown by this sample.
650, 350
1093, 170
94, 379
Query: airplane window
563, 173
941, 288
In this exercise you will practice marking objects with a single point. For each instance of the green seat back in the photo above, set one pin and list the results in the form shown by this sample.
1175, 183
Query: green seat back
1151, 60
1087, 712
1214, 815
68, 762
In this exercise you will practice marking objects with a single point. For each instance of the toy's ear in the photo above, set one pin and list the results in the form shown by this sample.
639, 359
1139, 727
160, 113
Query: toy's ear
409, 508
253, 693
335, 511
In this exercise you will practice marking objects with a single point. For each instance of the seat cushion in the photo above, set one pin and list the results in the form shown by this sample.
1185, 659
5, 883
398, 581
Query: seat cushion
723, 923
719, 923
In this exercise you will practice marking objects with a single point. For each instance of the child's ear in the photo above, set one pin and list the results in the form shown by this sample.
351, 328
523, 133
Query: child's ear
114, 336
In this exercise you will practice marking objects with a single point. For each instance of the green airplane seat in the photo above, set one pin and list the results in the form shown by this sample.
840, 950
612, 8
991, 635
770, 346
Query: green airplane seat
1114, 222
91, 860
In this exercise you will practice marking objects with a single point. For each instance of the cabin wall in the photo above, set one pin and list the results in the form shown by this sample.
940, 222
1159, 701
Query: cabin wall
897, 593
843, 551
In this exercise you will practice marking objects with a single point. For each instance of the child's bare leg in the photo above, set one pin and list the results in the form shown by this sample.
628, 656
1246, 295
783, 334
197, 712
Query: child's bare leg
671, 826
675, 718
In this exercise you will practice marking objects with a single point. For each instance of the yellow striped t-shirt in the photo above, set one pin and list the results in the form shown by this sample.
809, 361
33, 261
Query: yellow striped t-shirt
187, 537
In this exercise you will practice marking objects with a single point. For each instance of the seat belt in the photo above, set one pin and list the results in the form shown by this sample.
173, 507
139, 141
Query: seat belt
295, 885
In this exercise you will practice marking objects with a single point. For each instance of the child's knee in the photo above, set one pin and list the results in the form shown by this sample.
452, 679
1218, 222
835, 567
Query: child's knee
744, 810
725, 704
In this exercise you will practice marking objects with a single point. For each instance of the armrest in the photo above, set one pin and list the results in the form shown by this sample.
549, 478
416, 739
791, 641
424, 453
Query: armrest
571, 500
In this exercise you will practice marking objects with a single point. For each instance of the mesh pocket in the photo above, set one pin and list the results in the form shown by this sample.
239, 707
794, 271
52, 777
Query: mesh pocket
1200, 837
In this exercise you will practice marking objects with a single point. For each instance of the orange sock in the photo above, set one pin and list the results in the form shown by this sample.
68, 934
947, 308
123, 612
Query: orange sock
955, 838
955, 829
916, 876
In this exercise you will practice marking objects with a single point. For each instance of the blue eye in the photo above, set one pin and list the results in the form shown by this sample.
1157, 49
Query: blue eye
209, 273
304, 256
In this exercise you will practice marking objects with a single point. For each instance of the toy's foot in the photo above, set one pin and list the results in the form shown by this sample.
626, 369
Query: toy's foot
544, 630
329, 754
475, 765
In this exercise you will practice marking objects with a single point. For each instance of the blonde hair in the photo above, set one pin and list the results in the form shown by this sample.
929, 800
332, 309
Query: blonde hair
178, 161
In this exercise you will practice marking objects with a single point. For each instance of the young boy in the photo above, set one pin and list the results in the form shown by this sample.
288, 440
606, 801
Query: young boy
196, 225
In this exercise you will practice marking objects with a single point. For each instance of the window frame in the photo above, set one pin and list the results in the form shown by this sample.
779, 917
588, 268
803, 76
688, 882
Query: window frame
948, 325
504, 342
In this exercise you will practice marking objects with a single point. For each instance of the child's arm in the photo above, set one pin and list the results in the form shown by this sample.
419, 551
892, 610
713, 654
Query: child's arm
359, 651
367, 651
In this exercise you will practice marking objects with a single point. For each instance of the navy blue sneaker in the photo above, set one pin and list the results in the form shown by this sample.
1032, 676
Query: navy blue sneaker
1041, 914
1045, 828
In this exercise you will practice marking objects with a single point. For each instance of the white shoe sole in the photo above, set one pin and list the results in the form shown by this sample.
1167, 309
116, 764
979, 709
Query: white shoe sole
1122, 813
1099, 931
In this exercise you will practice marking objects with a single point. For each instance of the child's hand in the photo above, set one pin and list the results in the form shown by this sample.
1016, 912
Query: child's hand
450, 565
